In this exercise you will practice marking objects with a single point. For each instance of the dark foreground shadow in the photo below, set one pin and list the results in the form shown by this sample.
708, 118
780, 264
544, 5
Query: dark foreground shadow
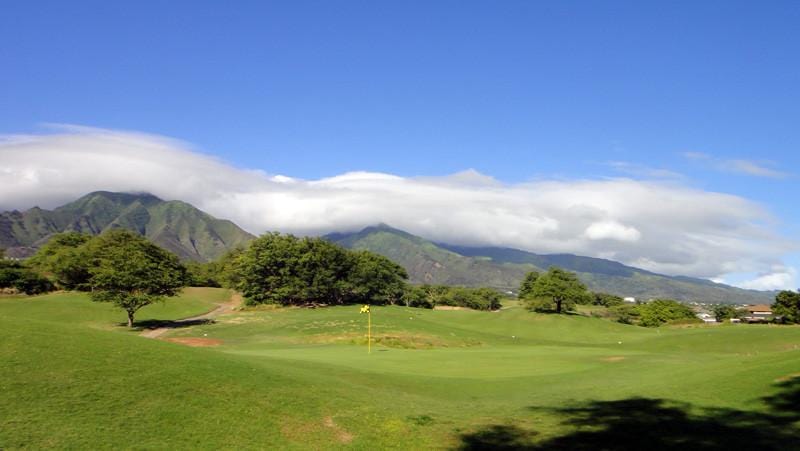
168, 324
658, 424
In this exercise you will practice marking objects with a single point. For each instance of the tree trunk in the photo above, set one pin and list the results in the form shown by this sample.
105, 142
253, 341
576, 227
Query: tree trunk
130, 318
558, 305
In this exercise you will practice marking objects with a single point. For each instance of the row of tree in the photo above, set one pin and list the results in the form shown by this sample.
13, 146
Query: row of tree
287, 270
429, 296
124, 268
559, 291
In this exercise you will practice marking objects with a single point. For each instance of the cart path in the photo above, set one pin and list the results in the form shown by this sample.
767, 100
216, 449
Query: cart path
227, 307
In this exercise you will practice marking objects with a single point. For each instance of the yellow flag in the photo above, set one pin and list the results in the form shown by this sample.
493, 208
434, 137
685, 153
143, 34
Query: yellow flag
364, 309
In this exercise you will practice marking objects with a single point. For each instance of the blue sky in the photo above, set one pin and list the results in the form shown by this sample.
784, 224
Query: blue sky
699, 94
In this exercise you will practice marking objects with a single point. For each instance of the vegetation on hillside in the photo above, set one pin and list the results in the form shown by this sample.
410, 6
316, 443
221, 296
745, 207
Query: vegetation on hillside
174, 225
504, 269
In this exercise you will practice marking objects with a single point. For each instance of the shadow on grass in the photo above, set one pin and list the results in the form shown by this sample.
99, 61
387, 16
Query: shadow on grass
658, 424
169, 324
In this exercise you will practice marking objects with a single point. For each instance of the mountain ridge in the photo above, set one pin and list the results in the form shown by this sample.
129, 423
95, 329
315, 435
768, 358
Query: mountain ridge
174, 225
503, 268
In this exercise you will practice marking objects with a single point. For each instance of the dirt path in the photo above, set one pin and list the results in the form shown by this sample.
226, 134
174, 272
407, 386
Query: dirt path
227, 307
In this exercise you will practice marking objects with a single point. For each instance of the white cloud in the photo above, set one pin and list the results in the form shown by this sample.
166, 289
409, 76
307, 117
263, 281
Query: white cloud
779, 278
611, 230
752, 168
737, 166
640, 170
663, 227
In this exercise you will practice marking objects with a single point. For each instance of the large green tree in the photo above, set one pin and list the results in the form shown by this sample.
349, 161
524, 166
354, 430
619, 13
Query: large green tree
558, 290
285, 269
724, 311
662, 311
64, 258
787, 306
131, 272
375, 279
526, 288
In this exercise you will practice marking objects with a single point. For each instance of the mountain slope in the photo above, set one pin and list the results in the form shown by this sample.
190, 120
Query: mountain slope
173, 225
503, 268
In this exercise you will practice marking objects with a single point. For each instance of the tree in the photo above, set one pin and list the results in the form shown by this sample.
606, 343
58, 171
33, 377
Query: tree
287, 270
724, 311
14, 274
485, 298
607, 300
131, 272
526, 288
206, 274
787, 306
661, 311
375, 279
228, 272
560, 288
63, 256
416, 296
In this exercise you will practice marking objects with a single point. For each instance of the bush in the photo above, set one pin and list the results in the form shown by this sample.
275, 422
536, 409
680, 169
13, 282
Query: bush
22, 279
607, 300
625, 314
540, 305
203, 274
662, 311
428, 296
415, 296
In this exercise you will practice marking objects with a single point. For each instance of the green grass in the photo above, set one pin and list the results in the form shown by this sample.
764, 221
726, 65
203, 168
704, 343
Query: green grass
296, 378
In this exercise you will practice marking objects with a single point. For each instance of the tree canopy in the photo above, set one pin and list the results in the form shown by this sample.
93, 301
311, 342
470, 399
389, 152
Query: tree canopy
16, 276
64, 257
131, 272
724, 311
557, 290
526, 288
288, 270
661, 311
787, 306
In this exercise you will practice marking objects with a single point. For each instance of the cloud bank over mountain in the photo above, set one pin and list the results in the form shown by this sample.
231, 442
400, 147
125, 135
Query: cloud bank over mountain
665, 227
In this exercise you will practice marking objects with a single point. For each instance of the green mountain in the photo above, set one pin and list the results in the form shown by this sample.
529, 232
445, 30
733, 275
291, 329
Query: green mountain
174, 225
503, 268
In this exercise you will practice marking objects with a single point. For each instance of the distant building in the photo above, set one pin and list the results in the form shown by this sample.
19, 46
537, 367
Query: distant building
707, 317
758, 313
631, 300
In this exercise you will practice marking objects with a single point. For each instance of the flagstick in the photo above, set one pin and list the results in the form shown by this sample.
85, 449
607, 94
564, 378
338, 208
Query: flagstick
369, 332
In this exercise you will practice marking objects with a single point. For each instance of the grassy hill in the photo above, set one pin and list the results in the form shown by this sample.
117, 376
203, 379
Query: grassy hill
295, 378
503, 268
173, 225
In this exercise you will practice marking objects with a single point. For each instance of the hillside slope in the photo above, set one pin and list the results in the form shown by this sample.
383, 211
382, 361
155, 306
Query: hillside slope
504, 268
174, 225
